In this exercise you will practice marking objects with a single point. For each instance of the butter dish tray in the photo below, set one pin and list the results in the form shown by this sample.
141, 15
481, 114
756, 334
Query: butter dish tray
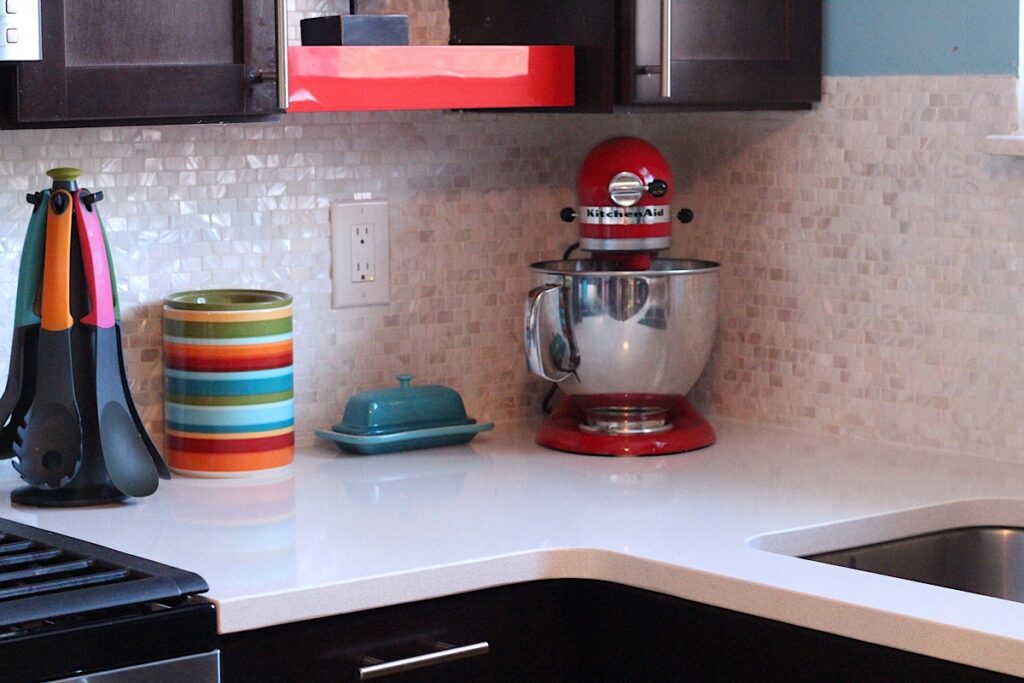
454, 435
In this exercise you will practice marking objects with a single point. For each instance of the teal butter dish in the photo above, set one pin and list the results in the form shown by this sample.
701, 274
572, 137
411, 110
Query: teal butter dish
403, 418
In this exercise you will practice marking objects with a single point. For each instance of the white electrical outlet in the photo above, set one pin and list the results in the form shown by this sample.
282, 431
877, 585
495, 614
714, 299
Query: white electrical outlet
364, 260
360, 254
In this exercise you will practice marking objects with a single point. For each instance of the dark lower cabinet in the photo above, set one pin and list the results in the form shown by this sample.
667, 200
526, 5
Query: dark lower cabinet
522, 625
636, 635
571, 631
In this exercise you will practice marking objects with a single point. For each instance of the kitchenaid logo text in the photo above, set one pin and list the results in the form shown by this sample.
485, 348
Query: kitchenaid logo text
619, 215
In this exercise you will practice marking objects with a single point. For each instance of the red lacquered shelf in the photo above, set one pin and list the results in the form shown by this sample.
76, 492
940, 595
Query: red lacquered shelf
351, 78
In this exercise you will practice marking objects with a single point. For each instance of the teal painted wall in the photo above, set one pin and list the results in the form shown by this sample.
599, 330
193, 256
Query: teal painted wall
889, 37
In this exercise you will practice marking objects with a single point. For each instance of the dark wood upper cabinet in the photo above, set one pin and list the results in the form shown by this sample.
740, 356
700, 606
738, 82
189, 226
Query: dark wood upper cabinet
126, 61
725, 54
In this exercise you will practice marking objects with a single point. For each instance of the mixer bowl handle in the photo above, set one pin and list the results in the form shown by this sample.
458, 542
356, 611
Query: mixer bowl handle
538, 356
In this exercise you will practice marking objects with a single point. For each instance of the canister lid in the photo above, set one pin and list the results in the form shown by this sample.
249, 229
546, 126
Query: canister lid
227, 300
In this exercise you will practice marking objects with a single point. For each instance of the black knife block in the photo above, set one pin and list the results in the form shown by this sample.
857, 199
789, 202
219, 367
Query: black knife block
356, 29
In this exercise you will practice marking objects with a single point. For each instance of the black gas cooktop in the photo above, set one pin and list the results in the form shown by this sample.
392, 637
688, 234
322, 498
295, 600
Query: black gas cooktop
70, 608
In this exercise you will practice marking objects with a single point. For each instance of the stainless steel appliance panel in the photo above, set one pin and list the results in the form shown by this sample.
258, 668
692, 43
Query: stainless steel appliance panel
201, 668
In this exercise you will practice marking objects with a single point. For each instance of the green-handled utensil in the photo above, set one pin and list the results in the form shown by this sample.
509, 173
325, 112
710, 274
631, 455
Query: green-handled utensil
21, 375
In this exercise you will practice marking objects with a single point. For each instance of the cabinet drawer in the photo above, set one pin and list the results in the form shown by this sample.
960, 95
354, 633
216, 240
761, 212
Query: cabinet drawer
521, 625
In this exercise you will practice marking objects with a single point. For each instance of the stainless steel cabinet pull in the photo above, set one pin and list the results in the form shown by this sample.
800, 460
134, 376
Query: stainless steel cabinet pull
282, 53
450, 654
666, 48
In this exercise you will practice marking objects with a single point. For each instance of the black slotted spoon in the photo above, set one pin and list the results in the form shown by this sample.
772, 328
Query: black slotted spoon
50, 452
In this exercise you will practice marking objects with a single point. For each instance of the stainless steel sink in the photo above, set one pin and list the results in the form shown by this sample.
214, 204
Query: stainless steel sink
979, 559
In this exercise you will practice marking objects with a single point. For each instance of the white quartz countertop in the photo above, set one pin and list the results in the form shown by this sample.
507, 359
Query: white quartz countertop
341, 533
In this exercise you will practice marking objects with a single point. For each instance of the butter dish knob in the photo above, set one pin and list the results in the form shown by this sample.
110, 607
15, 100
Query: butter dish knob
404, 379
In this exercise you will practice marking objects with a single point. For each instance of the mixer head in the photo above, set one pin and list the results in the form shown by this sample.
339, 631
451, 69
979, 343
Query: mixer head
624, 191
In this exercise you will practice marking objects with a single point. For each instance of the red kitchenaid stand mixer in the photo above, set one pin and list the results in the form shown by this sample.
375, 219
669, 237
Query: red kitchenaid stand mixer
624, 334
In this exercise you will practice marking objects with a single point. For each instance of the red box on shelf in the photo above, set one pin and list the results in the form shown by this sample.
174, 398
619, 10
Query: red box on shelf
394, 77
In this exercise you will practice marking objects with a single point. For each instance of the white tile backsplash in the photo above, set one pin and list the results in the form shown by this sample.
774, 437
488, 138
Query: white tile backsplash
873, 256
473, 199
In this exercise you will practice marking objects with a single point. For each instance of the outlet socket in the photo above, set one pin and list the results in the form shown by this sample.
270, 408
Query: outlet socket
364, 257
360, 254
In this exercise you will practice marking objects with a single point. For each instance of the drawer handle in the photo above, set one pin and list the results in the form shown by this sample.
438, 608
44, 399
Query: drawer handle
448, 654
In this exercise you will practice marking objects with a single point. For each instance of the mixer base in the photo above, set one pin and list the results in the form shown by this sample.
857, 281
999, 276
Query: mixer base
689, 431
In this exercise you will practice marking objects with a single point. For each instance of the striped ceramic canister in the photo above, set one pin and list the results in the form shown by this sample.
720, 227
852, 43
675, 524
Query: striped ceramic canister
228, 395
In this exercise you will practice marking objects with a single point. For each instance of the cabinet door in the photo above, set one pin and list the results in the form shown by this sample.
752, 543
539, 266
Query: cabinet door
127, 60
587, 24
635, 635
733, 53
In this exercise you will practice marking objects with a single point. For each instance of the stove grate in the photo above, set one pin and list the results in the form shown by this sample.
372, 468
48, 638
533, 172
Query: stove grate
44, 575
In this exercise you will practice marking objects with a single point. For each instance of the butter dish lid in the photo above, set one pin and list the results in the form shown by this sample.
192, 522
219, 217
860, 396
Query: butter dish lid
401, 409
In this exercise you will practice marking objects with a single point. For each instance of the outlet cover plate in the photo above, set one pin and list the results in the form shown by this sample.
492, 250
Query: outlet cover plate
349, 288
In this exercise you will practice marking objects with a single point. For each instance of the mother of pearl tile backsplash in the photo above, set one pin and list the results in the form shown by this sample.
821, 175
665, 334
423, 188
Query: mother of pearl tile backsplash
474, 199
873, 279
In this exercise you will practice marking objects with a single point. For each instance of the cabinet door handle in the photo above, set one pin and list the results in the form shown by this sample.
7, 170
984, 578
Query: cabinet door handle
666, 48
281, 7
367, 673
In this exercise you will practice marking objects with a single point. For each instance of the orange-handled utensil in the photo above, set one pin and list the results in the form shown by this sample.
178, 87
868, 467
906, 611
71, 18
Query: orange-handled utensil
50, 454
56, 307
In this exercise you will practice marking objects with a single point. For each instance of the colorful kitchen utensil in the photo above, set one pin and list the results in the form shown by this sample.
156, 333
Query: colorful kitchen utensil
21, 376
50, 452
127, 459
228, 382
158, 461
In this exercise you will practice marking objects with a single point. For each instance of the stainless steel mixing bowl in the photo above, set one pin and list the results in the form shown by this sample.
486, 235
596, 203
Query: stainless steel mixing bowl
598, 331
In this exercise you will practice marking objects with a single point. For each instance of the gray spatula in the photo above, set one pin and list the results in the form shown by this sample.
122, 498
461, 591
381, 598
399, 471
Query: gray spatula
127, 459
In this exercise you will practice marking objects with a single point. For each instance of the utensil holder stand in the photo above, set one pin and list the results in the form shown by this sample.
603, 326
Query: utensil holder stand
91, 483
